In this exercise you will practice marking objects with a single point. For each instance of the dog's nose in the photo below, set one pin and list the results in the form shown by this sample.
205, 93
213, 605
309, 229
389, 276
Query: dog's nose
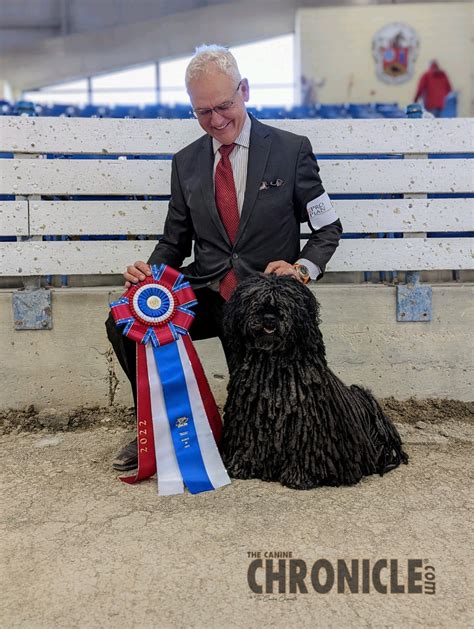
269, 320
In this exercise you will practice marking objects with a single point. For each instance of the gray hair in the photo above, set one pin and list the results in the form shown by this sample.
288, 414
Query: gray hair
209, 58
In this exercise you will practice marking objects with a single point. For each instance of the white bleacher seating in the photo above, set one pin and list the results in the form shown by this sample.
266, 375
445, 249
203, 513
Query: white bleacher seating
34, 181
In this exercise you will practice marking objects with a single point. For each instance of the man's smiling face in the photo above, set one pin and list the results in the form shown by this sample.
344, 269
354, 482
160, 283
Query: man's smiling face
214, 89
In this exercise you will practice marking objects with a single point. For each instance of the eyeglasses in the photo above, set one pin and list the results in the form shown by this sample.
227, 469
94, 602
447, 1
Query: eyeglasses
219, 109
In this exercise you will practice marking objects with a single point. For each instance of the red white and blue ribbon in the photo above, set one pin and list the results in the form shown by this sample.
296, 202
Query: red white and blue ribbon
178, 422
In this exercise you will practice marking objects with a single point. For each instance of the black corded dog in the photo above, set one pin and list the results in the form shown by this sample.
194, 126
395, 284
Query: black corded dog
288, 418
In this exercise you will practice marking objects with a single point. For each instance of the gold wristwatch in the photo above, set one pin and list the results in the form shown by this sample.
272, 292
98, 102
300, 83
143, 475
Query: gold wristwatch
303, 272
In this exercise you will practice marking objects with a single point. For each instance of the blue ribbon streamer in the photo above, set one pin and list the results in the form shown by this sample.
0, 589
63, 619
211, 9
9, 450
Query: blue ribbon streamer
175, 393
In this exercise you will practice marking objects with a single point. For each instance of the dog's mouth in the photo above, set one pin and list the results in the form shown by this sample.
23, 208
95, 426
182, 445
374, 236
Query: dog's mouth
265, 331
268, 323
267, 337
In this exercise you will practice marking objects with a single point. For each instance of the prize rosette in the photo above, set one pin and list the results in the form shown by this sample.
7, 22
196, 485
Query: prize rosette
178, 422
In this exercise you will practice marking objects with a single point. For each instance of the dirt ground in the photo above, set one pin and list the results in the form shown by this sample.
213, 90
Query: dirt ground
81, 549
29, 419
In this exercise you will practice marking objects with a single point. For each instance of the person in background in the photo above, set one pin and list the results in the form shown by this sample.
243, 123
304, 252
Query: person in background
309, 91
433, 87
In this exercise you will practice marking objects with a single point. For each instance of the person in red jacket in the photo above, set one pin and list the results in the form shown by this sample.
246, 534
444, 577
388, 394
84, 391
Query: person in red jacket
433, 87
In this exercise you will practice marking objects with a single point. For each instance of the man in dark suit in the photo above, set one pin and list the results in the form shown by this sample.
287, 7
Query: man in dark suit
239, 193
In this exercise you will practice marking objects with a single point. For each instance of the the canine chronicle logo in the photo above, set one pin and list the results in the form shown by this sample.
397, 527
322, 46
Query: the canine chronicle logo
272, 572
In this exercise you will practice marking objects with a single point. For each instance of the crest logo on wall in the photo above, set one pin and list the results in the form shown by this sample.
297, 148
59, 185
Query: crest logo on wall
395, 49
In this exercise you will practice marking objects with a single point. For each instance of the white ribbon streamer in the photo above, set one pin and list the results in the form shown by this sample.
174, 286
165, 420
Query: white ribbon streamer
170, 480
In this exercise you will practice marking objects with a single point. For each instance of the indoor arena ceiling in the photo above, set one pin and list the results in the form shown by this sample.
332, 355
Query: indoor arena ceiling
23, 21
43, 42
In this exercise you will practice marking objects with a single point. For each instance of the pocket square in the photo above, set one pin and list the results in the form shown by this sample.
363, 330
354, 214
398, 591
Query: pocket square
276, 183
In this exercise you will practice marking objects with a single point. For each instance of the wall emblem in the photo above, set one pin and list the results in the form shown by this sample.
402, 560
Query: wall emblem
395, 49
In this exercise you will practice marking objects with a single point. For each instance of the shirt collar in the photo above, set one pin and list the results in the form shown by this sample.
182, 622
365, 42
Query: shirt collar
243, 139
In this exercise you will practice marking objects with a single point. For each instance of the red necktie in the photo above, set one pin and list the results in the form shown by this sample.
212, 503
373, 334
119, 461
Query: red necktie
226, 202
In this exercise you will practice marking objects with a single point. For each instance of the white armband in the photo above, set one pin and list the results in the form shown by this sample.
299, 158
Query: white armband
321, 212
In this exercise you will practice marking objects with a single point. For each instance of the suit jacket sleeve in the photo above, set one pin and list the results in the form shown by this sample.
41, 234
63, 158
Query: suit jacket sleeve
176, 243
308, 186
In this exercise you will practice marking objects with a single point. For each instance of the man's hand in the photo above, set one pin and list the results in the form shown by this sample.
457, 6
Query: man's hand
280, 267
136, 273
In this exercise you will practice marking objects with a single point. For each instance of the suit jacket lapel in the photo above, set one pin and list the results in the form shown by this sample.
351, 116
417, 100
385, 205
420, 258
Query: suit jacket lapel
206, 165
260, 142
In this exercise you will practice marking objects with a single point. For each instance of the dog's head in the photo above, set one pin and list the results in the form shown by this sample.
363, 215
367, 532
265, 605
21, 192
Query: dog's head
272, 314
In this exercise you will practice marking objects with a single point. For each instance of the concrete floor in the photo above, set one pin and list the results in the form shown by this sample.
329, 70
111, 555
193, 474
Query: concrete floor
82, 549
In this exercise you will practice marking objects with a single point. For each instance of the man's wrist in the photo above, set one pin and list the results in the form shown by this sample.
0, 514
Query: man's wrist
303, 272
314, 270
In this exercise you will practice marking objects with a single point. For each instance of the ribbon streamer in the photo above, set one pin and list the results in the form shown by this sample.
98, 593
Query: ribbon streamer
178, 422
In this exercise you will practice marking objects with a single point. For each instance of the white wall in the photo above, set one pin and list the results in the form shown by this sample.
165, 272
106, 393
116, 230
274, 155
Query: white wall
73, 364
336, 43
6, 92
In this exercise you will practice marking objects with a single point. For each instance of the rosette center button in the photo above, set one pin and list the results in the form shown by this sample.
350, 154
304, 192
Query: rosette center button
153, 302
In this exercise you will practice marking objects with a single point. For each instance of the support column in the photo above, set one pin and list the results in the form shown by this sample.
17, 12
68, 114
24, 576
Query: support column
158, 86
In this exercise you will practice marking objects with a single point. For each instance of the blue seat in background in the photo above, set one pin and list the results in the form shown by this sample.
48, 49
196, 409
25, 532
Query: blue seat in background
273, 113
389, 110
183, 111
93, 111
24, 108
450, 109
333, 111
56, 110
6, 108
363, 110
155, 111
120, 111
303, 111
